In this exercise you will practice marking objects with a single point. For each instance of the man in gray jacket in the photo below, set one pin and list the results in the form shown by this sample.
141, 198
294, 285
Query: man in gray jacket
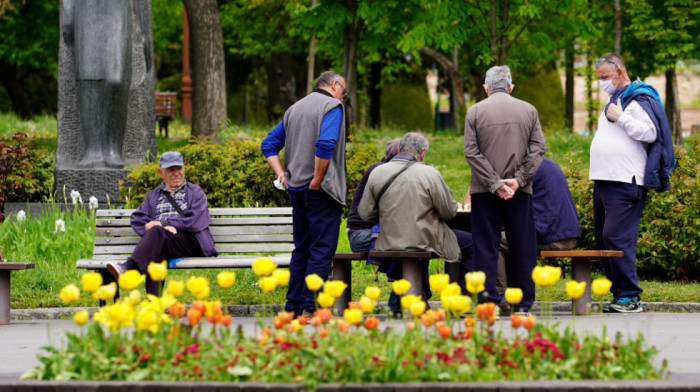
504, 145
413, 210
312, 134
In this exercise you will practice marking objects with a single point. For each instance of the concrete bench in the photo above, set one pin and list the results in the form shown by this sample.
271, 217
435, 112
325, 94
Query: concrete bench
581, 271
5, 271
240, 234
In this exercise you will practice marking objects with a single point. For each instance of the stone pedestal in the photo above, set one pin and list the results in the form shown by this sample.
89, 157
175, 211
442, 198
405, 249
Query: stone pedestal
90, 182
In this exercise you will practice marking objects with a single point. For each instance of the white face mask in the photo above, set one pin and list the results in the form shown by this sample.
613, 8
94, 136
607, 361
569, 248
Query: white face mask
607, 86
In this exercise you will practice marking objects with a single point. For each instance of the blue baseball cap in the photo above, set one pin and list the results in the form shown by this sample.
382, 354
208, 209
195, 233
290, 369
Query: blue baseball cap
171, 158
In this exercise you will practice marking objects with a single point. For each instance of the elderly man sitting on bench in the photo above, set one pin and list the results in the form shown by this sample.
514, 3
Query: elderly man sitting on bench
173, 222
411, 201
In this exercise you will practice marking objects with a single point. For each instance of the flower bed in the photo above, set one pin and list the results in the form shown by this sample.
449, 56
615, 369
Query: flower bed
136, 339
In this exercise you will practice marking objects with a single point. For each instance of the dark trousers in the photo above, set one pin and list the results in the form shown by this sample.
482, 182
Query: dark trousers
617, 209
488, 213
466, 249
316, 226
159, 244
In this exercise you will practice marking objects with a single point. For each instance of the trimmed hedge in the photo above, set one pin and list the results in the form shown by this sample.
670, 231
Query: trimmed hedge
669, 232
236, 174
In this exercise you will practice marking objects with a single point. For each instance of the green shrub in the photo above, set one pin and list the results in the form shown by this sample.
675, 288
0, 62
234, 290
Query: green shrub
669, 231
26, 173
406, 105
236, 174
544, 91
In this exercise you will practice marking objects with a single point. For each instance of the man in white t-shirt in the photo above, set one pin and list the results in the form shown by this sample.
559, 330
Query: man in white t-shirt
618, 162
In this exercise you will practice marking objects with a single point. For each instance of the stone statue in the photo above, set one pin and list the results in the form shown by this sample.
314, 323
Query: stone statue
106, 99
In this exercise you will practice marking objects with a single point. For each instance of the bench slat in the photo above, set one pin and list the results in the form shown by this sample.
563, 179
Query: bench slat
16, 266
264, 211
198, 262
221, 248
402, 254
280, 220
219, 239
581, 253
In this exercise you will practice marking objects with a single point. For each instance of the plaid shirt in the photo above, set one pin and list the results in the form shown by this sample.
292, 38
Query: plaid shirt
164, 209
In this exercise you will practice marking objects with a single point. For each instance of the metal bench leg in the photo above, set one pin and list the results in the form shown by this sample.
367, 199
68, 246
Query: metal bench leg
4, 297
581, 272
413, 272
342, 270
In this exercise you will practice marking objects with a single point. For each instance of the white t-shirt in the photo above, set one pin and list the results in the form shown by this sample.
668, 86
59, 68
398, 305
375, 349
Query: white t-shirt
618, 150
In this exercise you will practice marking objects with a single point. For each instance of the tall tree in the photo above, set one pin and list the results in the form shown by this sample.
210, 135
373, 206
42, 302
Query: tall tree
665, 32
208, 68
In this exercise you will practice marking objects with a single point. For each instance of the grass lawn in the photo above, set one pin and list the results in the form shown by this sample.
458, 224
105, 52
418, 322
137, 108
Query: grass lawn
55, 253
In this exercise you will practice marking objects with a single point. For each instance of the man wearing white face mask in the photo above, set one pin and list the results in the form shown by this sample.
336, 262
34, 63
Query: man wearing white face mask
632, 151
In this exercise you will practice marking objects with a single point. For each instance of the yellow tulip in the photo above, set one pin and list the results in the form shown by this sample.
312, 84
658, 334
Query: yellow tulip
116, 316
575, 289
514, 295
281, 276
461, 304
314, 282
70, 293
91, 281
417, 308
447, 301
158, 271
438, 282
367, 304
81, 317
263, 266
450, 290
147, 320
267, 284
199, 287
295, 326
175, 288
353, 316
546, 276
226, 279
475, 281
105, 292
131, 279
134, 297
400, 286
334, 288
409, 299
373, 292
325, 300
601, 286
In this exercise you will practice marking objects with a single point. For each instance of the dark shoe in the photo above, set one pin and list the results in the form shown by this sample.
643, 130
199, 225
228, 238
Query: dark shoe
504, 308
307, 313
116, 269
606, 307
395, 313
627, 305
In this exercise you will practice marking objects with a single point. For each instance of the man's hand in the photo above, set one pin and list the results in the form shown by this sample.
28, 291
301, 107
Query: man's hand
150, 225
171, 229
512, 183
315, 185
505, 192
614, 111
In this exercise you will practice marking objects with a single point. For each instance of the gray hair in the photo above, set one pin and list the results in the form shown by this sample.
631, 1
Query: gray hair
610, 58
413, 143
327, 78
498, 77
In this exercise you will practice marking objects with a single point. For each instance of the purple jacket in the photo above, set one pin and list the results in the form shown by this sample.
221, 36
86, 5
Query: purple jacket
196, 219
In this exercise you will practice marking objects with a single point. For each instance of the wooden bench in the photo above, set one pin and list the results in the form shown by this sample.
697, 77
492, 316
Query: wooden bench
342, 270
5, 271
166, 105
581, 271
240, 234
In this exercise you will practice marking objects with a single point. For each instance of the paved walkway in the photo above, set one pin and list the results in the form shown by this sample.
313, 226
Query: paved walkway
675, 335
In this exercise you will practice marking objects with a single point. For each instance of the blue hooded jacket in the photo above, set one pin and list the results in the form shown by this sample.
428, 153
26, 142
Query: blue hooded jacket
661, 160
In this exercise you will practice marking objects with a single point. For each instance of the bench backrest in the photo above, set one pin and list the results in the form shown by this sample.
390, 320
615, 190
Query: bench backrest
166, 104
235, 230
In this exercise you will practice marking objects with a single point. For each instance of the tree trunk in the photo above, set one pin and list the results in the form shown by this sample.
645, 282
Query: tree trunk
312, 59
375, 95
591, 104
208, 68
673, 107
280, 85
618, 26
351, 38
569, 101
455, 78
11, 79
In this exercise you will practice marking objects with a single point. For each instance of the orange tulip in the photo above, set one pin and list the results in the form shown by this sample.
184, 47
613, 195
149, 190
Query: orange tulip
469, 322
485, 311
176, 310
445, 331
323, 332
226, 320
529, 322
515, 321
324, 314
371, 322
193, 315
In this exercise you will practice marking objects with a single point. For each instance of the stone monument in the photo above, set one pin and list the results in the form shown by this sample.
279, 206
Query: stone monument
106, 94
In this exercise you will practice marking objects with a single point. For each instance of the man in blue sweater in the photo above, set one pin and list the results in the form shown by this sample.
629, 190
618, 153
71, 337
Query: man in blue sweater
312, 134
